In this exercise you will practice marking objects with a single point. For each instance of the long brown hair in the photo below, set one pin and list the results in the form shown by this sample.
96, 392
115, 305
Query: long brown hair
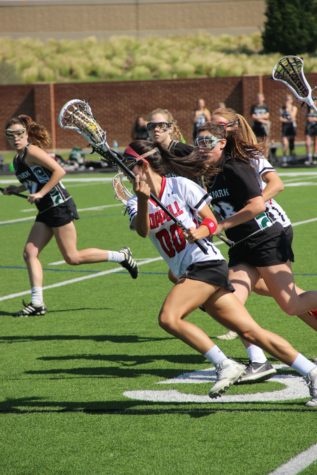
38, 135
191, 166
237, 121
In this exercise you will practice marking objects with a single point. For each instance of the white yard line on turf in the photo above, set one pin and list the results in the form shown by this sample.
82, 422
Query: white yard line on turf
299, 463
30, 218
93, 208
77, 279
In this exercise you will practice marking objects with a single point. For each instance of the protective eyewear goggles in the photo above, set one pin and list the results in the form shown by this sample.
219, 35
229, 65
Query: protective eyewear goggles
10, 133
206, 141
163, 126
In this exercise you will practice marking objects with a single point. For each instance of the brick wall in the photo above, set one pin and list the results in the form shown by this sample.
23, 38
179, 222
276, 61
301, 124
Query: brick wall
116, 104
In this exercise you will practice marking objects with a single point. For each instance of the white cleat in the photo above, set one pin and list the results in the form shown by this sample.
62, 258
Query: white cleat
228, 373
311, 380
230, 335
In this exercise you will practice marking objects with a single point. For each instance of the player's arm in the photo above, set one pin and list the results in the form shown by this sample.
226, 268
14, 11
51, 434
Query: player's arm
274, 185
253, 207
37, 156
208, 225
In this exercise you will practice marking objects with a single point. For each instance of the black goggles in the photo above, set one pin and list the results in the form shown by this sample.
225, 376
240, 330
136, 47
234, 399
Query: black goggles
164, 126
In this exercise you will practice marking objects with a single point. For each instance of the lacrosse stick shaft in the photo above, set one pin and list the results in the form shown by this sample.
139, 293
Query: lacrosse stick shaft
225, 240
20, 195
104, 151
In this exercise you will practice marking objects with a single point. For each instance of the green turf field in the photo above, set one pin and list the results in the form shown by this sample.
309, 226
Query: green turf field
96, 387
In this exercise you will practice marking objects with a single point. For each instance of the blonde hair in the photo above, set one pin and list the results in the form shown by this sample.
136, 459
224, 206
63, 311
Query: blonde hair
175, 133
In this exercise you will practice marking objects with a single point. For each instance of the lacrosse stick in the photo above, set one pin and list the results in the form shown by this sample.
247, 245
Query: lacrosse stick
20, 195
77, 115
290, 71
123, 194
121, 191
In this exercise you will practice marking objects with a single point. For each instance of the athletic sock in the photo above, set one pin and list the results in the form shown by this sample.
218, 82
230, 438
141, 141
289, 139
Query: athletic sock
37, 296
256, 354
303, 365
215, 355
115, 256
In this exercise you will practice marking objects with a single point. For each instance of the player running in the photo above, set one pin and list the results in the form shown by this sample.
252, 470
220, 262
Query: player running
41, 175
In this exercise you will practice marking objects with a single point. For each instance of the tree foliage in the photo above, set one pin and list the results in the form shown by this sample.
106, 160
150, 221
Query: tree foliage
291, 27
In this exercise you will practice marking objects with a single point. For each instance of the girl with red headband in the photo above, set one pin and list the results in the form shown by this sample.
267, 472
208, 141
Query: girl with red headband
202, 278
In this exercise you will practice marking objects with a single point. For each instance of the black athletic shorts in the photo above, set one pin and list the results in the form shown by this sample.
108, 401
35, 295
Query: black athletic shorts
211, 272
288, 130
268, 248
59, 215
311, 129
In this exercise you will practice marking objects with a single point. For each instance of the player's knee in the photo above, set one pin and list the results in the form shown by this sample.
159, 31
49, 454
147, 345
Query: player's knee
72, 260
29, 252
289, 308
166, 321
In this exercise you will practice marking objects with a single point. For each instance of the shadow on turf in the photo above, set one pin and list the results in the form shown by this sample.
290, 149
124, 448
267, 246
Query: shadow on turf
99, 338
3, 313
35, 405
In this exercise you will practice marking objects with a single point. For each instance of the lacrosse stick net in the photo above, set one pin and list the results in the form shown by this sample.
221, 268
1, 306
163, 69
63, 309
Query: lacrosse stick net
121, 192
290, 71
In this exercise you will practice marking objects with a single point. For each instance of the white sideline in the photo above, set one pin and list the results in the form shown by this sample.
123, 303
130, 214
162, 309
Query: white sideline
77, 279
297, 464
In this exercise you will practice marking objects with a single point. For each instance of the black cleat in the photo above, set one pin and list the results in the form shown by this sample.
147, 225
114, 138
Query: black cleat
30, 310
129, 263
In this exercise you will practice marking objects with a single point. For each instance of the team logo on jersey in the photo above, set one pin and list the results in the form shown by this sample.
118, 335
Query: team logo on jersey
159, 217
40, 174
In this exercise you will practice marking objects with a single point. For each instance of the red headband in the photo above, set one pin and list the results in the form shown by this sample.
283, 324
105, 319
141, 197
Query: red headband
129, 151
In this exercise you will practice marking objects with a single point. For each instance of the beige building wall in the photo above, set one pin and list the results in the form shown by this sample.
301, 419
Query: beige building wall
77, 18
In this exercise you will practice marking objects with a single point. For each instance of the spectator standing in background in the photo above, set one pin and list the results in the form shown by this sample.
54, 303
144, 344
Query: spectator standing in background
311, 135
201, 115
139, 130
260, 115
288, 113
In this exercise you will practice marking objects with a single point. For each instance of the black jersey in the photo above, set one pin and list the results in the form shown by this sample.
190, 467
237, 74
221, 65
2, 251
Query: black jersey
230, 190
34, 177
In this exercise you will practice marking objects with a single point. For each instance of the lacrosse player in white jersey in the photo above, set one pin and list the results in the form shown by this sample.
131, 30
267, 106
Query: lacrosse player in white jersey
202, 277
271, 184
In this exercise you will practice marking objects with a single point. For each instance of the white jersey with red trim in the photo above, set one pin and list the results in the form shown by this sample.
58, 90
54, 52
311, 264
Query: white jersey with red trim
276, 212
183, 198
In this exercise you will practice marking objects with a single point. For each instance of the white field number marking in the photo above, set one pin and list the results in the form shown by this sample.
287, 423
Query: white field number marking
295, 388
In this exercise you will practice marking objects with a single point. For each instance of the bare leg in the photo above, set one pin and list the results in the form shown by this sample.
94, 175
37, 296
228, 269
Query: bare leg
39, 237
66, 238
280, 282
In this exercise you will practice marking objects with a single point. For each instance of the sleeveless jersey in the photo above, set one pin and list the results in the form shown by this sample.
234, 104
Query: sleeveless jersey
183, 198
274, 210
34, 177
230, 190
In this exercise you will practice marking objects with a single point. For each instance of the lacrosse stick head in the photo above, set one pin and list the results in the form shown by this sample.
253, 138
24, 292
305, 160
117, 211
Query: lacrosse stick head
77, 115
121, 191
290, 71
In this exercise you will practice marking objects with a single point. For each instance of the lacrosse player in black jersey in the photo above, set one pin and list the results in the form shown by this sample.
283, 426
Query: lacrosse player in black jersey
165, 133
259, 368
41, 175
